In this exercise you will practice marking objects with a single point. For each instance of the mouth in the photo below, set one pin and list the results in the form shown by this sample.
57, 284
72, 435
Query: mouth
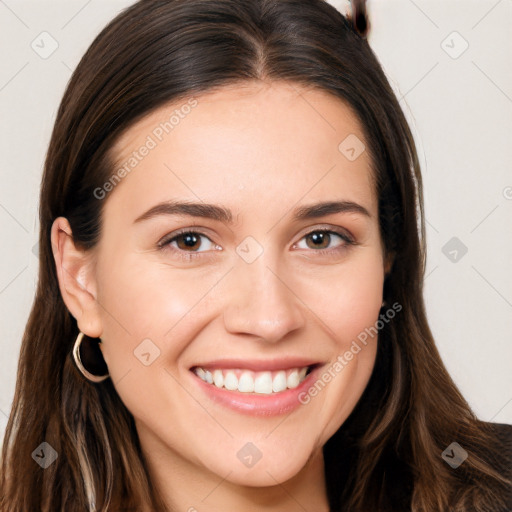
246, 381
257, 388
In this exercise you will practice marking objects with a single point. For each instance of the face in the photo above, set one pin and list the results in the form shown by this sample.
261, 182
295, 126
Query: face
264, 293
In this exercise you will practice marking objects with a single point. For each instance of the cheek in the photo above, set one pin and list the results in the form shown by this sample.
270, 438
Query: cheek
350, 307
348, 299
144, 300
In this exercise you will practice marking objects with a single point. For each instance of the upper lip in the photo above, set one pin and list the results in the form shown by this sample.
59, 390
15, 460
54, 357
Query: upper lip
258, 364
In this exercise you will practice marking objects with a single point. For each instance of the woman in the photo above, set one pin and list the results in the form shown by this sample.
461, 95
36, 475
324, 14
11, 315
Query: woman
191, 350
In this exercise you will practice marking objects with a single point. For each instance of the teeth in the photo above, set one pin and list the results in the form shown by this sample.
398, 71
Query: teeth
231, 381
246, 381
218, 378
279, 382
293, 379
263, 383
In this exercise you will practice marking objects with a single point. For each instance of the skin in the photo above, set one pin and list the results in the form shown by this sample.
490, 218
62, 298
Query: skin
260, 150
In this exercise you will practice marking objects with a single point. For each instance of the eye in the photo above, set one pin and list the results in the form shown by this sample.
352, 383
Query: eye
188, 241
322, 240
189, 244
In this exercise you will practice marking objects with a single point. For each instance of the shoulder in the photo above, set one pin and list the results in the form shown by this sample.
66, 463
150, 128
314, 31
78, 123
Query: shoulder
502, 432
502, 436
502, 429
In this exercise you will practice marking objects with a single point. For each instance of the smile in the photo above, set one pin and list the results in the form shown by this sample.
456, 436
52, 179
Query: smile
247, 381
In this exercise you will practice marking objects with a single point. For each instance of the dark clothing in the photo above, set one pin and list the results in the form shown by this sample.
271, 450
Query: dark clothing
397, 480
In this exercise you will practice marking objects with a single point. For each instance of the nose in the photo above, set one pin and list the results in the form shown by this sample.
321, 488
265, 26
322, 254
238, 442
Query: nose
260, 302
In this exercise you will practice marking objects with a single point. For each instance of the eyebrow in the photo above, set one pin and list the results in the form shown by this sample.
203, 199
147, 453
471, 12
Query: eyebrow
219, 213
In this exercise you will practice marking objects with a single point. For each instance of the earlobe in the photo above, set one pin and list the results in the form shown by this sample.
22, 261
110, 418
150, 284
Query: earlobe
75, 273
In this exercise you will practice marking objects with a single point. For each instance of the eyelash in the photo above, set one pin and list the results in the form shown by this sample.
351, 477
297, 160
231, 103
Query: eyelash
164, 244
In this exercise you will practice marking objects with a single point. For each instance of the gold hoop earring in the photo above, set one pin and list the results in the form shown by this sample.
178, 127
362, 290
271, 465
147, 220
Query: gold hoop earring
78, 361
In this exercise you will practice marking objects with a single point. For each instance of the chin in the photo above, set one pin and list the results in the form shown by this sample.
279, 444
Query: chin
276, 467
264, 476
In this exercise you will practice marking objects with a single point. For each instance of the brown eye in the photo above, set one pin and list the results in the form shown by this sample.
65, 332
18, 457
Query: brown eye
188, 241
325, 240
319, 240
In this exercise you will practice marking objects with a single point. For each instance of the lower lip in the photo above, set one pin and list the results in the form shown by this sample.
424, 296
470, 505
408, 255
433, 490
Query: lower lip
256, 404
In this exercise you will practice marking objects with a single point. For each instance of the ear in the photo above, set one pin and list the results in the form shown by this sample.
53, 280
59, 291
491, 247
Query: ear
75, 271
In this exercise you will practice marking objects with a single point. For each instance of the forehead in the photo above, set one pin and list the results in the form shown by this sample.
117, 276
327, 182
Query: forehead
248, 141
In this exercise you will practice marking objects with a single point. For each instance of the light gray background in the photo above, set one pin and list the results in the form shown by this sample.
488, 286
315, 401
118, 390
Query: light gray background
459, 105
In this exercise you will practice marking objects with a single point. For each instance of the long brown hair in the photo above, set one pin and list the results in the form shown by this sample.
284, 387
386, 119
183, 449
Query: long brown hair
161, 51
